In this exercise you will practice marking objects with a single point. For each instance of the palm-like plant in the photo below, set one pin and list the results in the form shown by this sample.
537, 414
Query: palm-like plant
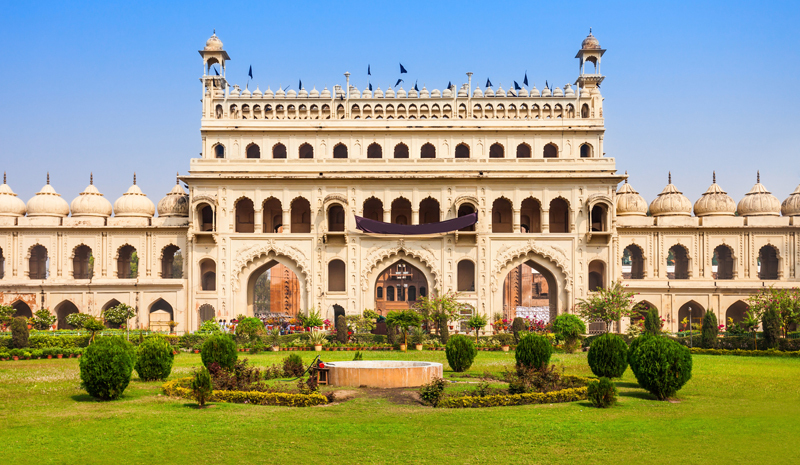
404, 319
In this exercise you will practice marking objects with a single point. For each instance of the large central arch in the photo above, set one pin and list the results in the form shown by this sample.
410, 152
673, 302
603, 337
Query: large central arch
551, 267
375, 271
248, 275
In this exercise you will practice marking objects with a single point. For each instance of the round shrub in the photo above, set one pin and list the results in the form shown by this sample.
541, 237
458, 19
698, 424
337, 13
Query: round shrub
19, 332
633, 358
517, 326
608, 356
106, 367
293, 366
568, 329
249, 328
663, 366
602, 393
533, 351
154, 358
460, 352
219, 348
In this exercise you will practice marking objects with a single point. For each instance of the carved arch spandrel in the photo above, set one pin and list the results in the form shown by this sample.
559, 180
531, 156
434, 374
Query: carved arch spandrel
245, 257
378, 256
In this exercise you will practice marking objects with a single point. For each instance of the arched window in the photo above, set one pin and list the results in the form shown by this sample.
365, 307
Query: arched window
300, 215
423, 292
427, 151
429, 211
82, 263
245, 216
306, 151
599, 220
464, 210
586, 151
37, 264
689, 314
373, 209
597, 275
401, 150
412, 294
171, 262
401, 211
767, 263
219, 151
678, 260
127, 262
497, 151
374, 150
336, 218
390, 293
559, 216
466, 276
723, 262
340, 151
531, 216
253, 151
64, 309
585, 111
736, 313
550, 151
205, 217
337, 276
272, 216
633, 259
502, 221
401, 293
206, 312
462, 151
523, 151
278, 151
208, 274
218, 112
379, 292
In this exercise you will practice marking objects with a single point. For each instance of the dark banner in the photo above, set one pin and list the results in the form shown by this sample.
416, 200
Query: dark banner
379, 227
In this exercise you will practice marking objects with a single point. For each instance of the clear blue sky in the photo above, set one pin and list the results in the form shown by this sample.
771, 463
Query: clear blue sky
690, 87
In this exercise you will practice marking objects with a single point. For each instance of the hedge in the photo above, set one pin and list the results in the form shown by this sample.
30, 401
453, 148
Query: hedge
742, 343
504, 400
747, 353
176, 389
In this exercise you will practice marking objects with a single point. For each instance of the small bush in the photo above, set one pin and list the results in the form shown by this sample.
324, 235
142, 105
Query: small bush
433, 392
504, 339
602, 393
241, 377
771, 324
293, 366
633, 359
568, 329
652, 322
608, 356
341, 329
517, 326
249, 329
106, 367
219, 348
201, 386
154, 358
77, 320
358, 356
533, 351
19, 333
460, 352
710, 330
210, 326
664, 366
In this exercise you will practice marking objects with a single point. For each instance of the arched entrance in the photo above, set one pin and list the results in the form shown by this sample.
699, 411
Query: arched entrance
62, 310
22, 309
206, 312
526, 292
273, 290
552, 271
160, 315
399, 286
697, 312
735, 313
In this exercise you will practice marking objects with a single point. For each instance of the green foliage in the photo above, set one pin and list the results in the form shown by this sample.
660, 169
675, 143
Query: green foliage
441, 308
106, 367
249, 329
6, 314
710, 330
154, 358
417, 335
219, 348
341, 329
608, 356
78, 320
293, 366
93, 325
317, 338
403, 319
784, 302
533, 352
517, 326
119, 314
602, 393
274, 337
433, 392
43, 319
607, 304
444, 331
504, 339
312, 320
370, 314
568, 329
201, 386
664, 366
210, 326
633, 357
771, 326
460, 352
358, 356
19, 332
477, 322
652, 322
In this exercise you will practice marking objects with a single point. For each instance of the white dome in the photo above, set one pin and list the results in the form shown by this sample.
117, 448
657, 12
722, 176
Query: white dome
789, 207
379, 93
523, 92
314, 93
629, 202
389, 92
424, 92
280, 93
325, 93
91, 202
213, 44
435, 93
134, 204
477, 92
268, 93
759, 202
546, 92
291, 94
671, 202
47, 202
257, 93
489, 92
303, 92
715, 202
401, 93
568, 90
246, 93
175, 203
558, 92
10, 204
535, 92
500, 91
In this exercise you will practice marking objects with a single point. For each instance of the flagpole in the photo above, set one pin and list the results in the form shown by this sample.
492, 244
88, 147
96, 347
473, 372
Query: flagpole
469, 95
347, 96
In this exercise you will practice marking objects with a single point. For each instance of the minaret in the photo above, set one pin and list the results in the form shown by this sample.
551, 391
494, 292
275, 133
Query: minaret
213, 85
590, 52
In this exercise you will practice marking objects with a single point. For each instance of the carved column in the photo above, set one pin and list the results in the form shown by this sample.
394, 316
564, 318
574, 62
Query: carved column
258, 219
517, 222
545, 221
286, 220
414, 216
387, 215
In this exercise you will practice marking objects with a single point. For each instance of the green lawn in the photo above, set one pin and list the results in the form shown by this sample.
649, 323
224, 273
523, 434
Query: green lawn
734, 410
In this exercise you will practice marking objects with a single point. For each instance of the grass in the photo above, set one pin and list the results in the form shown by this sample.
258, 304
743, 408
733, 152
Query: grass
734, 410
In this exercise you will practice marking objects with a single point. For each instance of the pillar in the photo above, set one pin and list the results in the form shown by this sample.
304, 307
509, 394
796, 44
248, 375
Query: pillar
258, 219
285, 219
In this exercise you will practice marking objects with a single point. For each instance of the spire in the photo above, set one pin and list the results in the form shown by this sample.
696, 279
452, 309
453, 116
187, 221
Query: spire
758, 177
134, 178
626, 171
91, 178
714, 178
669, 178
177, 181
48, 178
4, 177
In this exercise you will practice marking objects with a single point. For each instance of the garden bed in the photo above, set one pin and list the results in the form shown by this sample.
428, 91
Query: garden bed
179, 388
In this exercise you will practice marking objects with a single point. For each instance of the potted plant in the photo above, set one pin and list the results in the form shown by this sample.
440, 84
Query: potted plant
418, 337
505, 341
317, 339
172, 325
403, 319
477, 322
274, 338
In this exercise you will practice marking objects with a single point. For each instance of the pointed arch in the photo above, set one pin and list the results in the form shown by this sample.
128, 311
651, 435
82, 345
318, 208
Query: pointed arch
502, 215
62, 310
253, 150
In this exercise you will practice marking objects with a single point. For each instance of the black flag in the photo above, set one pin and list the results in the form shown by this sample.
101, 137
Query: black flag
488, 83
415, 86
398, 82
546, 84
402, 70
369, 73
370, 86
300, 85
525, 81
250, 73
516, 86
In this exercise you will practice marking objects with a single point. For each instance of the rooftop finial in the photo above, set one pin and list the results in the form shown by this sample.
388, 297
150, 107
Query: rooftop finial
590, 30
48, 178
177, 181
215, 30
4, 177
134, 178
91, 178
714, 178
626, 176
758, 177
669, 178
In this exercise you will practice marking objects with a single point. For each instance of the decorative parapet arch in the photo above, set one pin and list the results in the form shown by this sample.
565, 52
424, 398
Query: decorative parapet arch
250, 254
506, 255
204, 198
334, 198
375, 257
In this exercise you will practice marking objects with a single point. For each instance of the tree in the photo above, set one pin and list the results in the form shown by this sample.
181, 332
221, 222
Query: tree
607, 304
6, 314
786, 302
440, 308
477, 322
568, 329
710, 330
403, 319
43, 319
93, 325
119, 314
77, 320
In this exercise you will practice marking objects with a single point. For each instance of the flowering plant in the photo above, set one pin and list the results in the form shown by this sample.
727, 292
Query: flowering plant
607, 304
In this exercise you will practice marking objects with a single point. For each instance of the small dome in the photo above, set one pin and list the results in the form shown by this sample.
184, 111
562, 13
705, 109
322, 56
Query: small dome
291, 94
268, 93
547, 92
246, 93
280, 93
236, 91
477, 92
463, 91
401, 93
585, 92
629, 202
489, 92
412, 93
10, 204
325, 93
789, 207
759, 202
558, 92
176, 203
523, 92
569, 91
715, 202
535, 92
389, 93
303, 93
379, 93
213, 44
354, 92
500, 91
424, 92
91, 202
47, 202
134, 203
367, 93
447, 93
436, 93
257, 93
314, 93
671, 202
590, 42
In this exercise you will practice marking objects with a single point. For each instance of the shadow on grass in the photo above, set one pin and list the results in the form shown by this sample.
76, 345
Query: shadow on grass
644, 395
194, 406
626, 384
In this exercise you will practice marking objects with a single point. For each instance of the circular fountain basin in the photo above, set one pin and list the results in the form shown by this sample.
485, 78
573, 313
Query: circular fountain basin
382, 373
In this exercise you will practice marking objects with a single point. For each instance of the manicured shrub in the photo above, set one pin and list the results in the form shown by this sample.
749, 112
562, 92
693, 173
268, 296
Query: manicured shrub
568, 329
341, 329
154, 358
771, 325
633, 359
710, 330
201, 386
106, 367
249, 329
460, 352
210, 326
293, 366
219, 348
664, 366
608, 356
652, 322
444, 331
602, 393
517, 326
533, 351
433, 392
77, 320
19, 333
